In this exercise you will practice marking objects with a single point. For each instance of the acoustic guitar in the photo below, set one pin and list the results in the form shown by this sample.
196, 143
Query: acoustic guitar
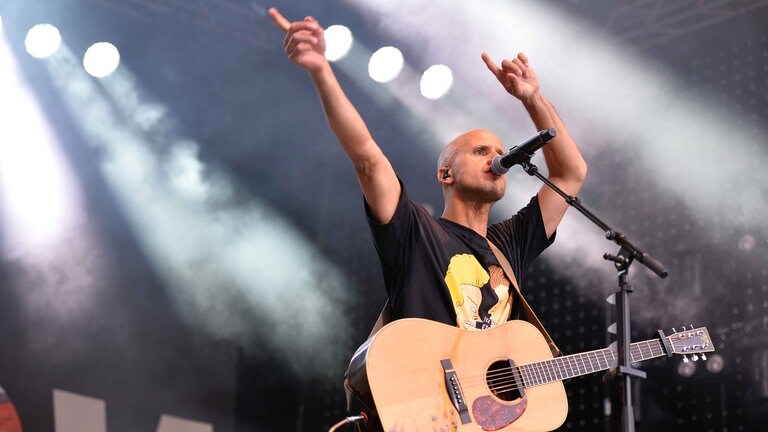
420, 375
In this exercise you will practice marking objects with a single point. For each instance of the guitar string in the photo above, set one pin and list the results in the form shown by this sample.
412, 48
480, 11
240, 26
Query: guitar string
514, 383
542, 372
636, 352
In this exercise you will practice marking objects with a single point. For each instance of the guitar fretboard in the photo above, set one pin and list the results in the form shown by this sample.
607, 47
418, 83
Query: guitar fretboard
574, 365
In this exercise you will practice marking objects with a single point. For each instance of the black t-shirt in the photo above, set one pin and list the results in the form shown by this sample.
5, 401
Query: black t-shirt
442, 271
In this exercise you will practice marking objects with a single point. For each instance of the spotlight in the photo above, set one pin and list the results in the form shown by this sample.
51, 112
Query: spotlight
747, 242
436, 81
101, 59
686, 369
385, 64
715, 363
338, 40
42, 41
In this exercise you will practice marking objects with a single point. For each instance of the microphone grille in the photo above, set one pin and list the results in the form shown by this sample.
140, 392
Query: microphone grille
496, 166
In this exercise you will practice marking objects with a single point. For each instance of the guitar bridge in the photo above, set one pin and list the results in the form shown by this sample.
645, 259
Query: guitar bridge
453, 387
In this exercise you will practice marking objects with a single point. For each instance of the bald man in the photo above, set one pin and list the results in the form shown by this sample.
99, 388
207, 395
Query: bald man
443, 269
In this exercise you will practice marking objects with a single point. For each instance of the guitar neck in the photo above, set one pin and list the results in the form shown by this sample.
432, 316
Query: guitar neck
570, 366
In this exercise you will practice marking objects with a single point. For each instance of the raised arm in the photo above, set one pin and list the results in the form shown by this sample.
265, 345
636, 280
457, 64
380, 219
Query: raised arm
565, 164
305, 46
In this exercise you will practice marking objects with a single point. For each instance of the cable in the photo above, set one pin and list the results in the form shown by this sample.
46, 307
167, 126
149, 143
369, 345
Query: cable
350, 420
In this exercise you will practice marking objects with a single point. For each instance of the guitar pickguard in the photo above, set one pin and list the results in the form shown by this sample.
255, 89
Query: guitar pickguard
492, 415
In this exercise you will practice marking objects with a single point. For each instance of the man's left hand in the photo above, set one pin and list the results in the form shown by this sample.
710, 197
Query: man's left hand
516, 75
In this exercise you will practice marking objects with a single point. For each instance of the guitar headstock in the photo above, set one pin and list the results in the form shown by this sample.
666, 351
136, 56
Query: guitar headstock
693, 341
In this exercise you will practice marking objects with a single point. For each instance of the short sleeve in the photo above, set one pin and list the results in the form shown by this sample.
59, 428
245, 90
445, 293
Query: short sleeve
390, 238
522, 238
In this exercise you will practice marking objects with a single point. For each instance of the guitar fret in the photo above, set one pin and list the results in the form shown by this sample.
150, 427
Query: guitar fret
527, 381
561, 368
531, 375
521, 370
642, 354
553, 368
540, 371
543, 371
547, 373
607, 364
584, 365
558, 363
650, 346
576, 364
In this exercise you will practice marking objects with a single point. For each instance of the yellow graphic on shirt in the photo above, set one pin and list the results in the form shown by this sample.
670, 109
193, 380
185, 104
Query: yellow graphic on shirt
465, 278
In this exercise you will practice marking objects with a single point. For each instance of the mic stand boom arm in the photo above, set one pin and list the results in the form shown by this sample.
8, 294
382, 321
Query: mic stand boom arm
627, 254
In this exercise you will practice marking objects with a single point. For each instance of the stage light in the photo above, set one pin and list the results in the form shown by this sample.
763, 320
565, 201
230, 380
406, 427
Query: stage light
338, 41
436, 81
42, 41
385, 64
101, 59
715, 363
686, 369
747, 242
38, 195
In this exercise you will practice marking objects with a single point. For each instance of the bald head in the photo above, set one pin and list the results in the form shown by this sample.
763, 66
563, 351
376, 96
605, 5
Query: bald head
470, 138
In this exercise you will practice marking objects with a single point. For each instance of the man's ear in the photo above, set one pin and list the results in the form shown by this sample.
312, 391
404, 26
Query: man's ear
444, 175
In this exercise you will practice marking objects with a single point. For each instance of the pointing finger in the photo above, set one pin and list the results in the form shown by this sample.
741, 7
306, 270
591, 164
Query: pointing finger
491, 65
279, 20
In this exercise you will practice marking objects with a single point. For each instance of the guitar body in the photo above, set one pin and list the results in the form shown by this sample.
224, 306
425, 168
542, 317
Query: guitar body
406, 372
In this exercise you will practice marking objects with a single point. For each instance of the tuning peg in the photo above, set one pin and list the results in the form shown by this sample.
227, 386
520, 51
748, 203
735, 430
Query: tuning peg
673, 330
685, 359
703, 356
695, 357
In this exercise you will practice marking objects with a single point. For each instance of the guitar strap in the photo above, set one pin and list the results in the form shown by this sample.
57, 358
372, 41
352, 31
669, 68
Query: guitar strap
529, 313
385, 317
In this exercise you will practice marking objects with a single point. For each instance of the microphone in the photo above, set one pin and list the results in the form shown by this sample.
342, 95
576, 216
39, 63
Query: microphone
521, 153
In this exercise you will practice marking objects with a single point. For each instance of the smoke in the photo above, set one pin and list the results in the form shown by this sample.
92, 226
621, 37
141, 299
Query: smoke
233, 266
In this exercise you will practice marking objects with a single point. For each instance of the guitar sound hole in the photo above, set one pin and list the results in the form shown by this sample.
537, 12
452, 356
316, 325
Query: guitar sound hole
504, 381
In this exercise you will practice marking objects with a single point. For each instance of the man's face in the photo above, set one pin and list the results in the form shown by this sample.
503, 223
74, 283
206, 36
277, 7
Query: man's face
470, 167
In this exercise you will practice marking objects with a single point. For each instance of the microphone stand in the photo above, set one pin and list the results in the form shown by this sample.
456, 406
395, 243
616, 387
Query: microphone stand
628, 253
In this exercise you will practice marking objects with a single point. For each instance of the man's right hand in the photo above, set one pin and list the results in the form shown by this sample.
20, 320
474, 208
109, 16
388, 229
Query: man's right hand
304, 41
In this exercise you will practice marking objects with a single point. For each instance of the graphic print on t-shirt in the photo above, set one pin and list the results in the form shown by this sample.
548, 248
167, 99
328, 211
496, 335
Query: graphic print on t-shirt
480, 297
